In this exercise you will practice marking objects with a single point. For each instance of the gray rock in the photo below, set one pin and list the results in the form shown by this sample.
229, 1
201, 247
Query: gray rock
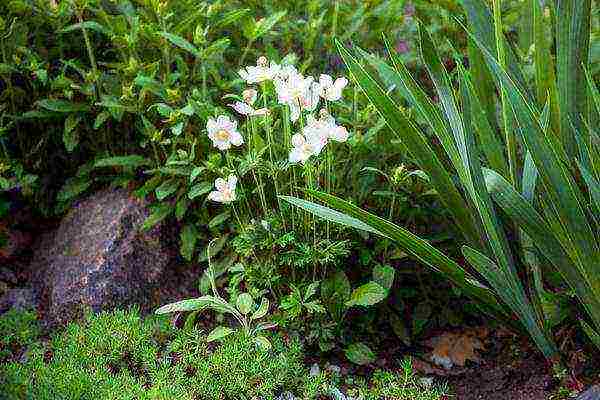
592, 393
99, 258
19, 299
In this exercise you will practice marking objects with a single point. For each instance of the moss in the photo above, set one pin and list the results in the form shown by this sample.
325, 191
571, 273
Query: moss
18, 329
120, 356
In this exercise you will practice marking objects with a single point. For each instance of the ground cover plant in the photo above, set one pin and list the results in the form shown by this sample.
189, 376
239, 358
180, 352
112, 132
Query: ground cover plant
120, 355
354, 181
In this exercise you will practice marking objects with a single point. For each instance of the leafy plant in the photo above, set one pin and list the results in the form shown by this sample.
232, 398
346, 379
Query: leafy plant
245, 311
542, 173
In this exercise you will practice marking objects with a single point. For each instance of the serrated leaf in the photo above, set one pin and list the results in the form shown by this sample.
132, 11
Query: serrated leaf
360, 353
367, 295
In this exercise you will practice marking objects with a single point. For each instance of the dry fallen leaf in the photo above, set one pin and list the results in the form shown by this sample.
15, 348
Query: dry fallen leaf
450, 349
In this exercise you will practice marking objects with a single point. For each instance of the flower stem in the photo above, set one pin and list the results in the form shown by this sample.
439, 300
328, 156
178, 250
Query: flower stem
271, 159
258, 182
288, 143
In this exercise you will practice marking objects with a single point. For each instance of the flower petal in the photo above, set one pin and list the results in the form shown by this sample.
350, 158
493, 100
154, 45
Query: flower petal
215, 196
236, 138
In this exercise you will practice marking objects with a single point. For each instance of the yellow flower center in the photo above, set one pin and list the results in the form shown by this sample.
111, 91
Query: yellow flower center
222, 135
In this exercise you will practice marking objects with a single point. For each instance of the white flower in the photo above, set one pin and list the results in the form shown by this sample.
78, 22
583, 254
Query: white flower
325, 128
246, 109
330, 90
305, 147
225, 192
262, 72
223, 132
296, 91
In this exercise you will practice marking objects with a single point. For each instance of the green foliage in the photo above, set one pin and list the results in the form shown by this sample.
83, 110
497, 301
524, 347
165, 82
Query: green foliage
120, 355
18, 329
244, 310
541, 192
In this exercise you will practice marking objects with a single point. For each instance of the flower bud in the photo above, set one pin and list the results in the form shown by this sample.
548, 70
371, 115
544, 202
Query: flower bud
249, 96
262, 61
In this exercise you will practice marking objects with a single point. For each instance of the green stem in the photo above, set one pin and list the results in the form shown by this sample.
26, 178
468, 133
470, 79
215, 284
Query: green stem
230, 164
259, 183
271, 158
245, 53
288, 144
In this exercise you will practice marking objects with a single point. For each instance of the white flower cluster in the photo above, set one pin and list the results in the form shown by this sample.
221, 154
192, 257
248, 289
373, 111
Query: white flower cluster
300, 94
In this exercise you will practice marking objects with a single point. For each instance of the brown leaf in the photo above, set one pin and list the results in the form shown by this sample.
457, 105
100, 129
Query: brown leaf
450, 349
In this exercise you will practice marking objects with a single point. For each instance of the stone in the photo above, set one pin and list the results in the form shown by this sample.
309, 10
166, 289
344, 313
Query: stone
99, 258
592, 393
18, 299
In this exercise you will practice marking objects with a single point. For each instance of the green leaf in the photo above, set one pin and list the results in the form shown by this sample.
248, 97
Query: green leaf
199, 189
417, 144
62, 106
262, 343
133, 161
219, 219
517, 303
264, 25
181, 43
70, 133
367, 295
360, 353
189, 236
91, 25
593, 335
219, 333
244, 303
73, 188
101, 119
262, 309
199, 303
572, 48
231, 17
384, 276
159, 213
167, 188
411, 244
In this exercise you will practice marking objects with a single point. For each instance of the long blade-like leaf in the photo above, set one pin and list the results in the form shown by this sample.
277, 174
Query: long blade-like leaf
417, 144
409, 242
